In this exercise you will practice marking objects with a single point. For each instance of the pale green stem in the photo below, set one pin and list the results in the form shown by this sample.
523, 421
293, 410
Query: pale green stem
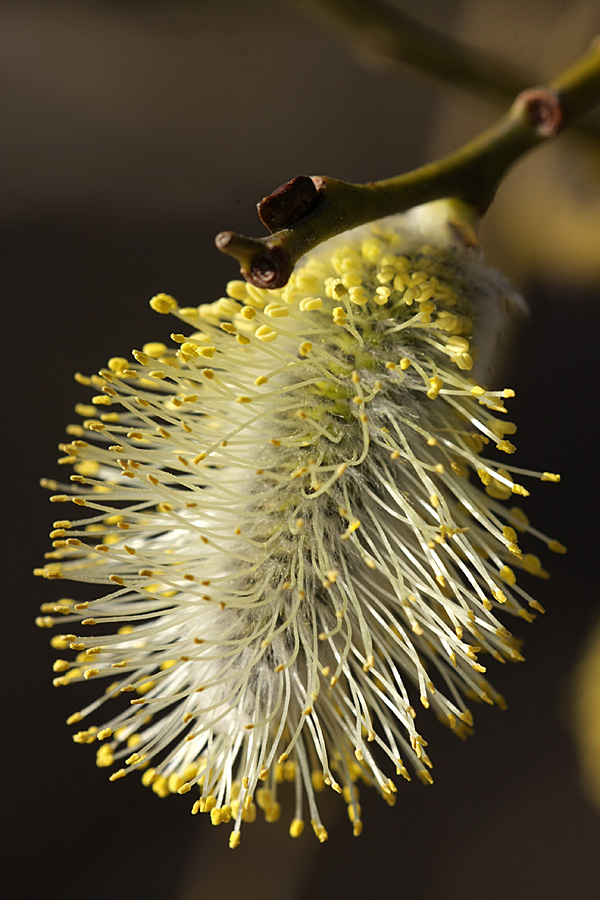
471, 174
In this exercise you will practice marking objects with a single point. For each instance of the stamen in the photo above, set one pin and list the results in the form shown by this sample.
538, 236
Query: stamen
294, 532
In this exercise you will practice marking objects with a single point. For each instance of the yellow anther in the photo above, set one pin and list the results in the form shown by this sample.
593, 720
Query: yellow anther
266, 334
154, 349
296, 828
549, 476
519, 518
163, 303
412, 294
273, 812
276, 311
485, 477
104, 756
436, 385
216, 816
117, 364
532, 563
160, 786
387, 274
257, 296
507, 574
506, 446
524, 614
60, 665
319, 830
237, 290
357, 294
86, 737
537, 606
501, 427
74, 718
248, 810
382, 295
317, 781
226, 814
289, 770
371, 249
556, 547
208, 803
350, 530
149, 776
134, 759
248, 312
309, 304
264, 798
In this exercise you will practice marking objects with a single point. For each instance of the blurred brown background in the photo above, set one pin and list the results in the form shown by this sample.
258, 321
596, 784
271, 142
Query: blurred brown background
131, 133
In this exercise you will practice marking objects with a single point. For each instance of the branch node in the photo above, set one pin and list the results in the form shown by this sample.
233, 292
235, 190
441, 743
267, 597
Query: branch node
271, 269
288, 203
262, 263
223, 240
544, 110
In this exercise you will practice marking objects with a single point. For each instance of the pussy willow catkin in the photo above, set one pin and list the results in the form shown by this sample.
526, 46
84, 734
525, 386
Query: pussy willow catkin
296, 530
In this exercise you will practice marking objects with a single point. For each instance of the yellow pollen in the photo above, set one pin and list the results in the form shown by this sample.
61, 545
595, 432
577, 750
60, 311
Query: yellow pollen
266, 334
163, 303
556, 547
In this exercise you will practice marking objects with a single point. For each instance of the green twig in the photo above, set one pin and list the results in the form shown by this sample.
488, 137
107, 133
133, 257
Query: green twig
307, 211
392, 35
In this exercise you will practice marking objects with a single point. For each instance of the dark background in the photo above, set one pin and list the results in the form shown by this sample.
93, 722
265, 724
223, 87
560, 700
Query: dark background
131, 133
